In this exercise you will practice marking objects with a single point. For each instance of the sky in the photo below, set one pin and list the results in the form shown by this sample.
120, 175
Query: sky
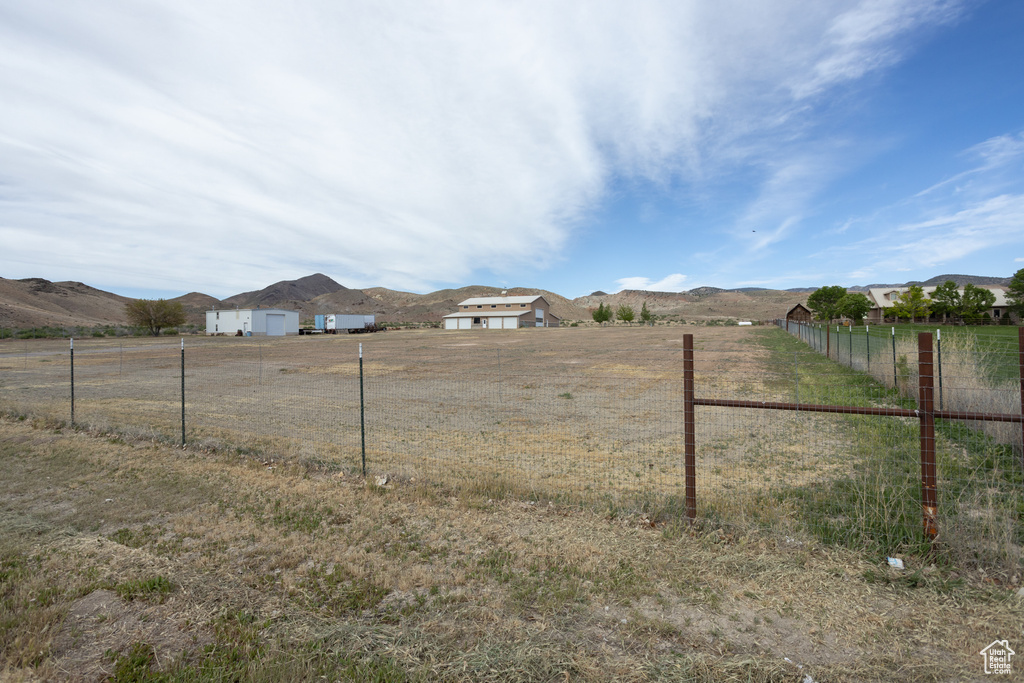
153, 148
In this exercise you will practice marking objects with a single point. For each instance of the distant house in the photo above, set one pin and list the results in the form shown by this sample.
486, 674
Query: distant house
501, 313
798, 314
883, 298
257, 322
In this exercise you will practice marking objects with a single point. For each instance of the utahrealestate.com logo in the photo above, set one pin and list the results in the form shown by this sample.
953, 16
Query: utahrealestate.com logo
997, 657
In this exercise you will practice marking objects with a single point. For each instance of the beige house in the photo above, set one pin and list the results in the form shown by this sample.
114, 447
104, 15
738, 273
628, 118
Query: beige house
501, 313
883, 299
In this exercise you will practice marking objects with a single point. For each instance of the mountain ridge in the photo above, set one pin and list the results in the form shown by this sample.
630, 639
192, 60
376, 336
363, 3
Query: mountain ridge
36, 302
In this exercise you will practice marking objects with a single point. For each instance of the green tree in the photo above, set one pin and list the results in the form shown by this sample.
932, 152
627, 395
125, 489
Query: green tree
911, 304
603, 313
1015, 293
975, 302
855, 306
625, 313
824, 302
645, 315
155, 314
946, 300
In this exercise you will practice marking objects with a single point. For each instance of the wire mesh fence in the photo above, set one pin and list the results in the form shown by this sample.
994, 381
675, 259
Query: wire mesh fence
582, 415
975, 378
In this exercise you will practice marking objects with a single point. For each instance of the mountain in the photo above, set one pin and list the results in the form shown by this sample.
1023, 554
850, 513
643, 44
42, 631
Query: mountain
34, 302
960, 281
285, 292
196, 305
702, 303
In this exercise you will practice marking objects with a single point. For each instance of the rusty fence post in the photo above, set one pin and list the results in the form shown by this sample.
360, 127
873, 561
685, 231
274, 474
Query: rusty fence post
690, 431
926, 408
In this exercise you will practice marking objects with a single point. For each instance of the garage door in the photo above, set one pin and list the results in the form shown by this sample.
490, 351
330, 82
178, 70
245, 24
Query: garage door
451, 324
465, 323
275, 324
511, 323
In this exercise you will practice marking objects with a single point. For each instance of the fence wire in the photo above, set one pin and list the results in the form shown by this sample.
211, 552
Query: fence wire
979, 463
582, 416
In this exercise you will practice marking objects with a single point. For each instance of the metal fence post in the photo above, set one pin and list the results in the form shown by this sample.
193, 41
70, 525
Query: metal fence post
1020, 360
938, 362
929, 498
362, 409
867, 345
851, 346
690, 431
72, 381
895, 384
182, 392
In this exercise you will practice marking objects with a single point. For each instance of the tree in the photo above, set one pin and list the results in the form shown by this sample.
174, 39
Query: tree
645, 315
855, 306
1015, 293
625, 313
603, 313
155, 314
911, 304
975, 302
824, 302
946, 299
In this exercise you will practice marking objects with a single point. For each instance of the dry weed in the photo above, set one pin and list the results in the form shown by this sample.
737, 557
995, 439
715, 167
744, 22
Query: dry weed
296, 574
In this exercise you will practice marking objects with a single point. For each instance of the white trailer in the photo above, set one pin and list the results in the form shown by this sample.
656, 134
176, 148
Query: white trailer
338, 324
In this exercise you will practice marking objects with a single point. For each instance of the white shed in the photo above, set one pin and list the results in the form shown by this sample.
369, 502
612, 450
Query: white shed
258, 322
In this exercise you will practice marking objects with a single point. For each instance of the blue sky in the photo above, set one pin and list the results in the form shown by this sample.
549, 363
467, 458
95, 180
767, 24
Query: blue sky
158, 148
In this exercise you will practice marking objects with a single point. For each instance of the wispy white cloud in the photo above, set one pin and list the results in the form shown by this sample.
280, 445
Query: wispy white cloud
997, 159
222, 145
977, 210
861, 39
670, 283
941, 240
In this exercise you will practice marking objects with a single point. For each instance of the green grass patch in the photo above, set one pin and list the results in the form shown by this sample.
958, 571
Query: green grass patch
339, 592
155, 588
876, 504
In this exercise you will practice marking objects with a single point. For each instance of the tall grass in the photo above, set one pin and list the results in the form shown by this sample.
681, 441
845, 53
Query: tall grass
875, 503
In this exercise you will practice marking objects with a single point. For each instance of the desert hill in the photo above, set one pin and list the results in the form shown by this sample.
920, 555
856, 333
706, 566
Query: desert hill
35, 302
280, 293
702, 303
960, 281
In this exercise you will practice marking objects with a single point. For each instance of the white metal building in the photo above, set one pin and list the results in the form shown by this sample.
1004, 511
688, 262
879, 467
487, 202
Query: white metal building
501, 313
257, 322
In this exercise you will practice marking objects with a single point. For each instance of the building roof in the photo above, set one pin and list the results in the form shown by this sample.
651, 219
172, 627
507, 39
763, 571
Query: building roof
254, 310
491, 314
885, 297
490, 300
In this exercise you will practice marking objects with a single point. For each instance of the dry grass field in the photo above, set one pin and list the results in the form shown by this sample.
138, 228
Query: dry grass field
585, 413
530, 527
138, 561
